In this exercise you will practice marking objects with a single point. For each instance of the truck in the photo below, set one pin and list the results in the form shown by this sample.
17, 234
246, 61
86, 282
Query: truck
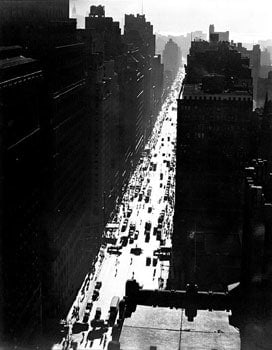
114, 308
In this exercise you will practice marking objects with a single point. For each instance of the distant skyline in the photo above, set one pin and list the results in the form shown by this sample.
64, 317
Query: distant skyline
247, 20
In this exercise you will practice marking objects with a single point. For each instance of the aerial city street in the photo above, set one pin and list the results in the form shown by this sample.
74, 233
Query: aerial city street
139, 237
135, 175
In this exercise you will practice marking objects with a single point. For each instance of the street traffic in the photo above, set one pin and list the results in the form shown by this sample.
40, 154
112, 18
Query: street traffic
138, 240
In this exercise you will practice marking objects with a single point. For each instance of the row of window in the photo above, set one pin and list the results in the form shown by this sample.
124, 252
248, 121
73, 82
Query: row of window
217, 98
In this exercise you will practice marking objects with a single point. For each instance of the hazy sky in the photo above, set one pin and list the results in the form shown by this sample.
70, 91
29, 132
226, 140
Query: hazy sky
247, 20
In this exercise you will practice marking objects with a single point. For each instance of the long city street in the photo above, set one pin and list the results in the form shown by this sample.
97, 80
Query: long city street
142, 225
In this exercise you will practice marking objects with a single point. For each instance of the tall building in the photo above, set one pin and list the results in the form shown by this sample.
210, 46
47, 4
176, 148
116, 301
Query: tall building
63, 164
57, 163
107, 32
107, 158
213, 142
254, 56
265, 57
217, 36
171, 58
67, 218
138, 33
158, 83
22, 193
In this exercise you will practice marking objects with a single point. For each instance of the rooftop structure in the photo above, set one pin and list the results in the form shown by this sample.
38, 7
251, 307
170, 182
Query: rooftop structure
196, 92
217, 36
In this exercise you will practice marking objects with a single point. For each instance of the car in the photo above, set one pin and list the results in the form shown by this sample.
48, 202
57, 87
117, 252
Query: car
148, 261
136, 251
86, 316
160, 220
149, 210
89, 305
98, 285
162, 242
124, 241
148, 225
132, 227
136, 234
97, 313
147, 236
80, 327
114, 249
131, 239
154, 261
95, 295
97, 323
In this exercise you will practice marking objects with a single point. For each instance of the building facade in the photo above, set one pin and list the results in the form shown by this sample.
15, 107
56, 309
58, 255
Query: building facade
67, 98
171, 58
22, 193
213, 142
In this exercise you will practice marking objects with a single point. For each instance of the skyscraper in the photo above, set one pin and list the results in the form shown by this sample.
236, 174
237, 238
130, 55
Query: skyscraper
22, 196
171, 58
46, 164
213, 143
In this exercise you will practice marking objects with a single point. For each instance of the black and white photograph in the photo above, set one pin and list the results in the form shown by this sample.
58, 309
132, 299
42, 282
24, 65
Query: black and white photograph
135, 175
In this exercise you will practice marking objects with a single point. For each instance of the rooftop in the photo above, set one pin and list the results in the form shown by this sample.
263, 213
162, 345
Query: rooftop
15, 61
167, 328
195, 90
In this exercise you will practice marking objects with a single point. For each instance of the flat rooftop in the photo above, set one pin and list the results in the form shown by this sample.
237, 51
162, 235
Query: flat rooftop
168, 329
194, 91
